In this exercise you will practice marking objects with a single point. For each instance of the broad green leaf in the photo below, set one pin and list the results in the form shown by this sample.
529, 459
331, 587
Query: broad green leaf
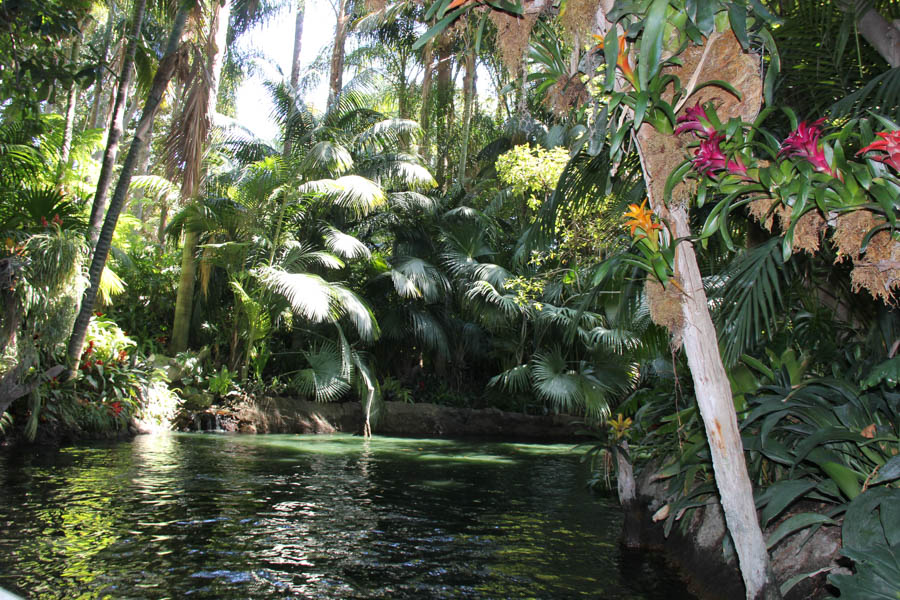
796, 523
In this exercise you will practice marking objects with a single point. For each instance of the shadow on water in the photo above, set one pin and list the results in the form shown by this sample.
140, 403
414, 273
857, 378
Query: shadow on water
214, 516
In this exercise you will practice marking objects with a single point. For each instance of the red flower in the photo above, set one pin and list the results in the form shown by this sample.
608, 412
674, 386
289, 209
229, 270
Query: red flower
710, 160
122, 355
804, 143
87, 365
57, 220
44, 222
695, 120
90, 348
116, 408
889, 143
98, 362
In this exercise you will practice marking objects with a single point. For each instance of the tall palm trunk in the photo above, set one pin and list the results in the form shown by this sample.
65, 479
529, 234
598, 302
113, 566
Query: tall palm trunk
336, 77
185, 296
117, 125
295, 77
425, 114
160, 81
71, 99
94, 119
469, 97
444, 104
298, 39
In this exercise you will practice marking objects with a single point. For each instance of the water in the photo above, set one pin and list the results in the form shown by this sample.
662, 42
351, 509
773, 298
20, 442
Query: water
215, 516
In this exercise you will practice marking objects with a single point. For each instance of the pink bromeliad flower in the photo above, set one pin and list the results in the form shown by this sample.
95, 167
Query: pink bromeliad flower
803, 143
890, 144
695, 119
710, 160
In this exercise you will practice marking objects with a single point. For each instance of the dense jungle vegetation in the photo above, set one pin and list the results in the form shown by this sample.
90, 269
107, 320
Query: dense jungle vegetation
540, 206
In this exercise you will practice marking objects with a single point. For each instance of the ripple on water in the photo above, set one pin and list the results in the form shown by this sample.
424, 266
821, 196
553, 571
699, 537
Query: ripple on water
299, 517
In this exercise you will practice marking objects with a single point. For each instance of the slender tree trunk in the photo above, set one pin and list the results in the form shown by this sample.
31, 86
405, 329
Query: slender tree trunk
711, 385
69, 131
295, 79
335, 79
185, 296
160, 81
658, 152
883, 35
116, 126
94, 120
298, 40
425, 114
444, 102
468, 101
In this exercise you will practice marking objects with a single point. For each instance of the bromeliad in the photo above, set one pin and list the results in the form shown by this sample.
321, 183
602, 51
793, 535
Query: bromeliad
889, 144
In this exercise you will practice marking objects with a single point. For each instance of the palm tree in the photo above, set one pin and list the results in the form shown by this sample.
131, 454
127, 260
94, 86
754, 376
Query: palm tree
101, 252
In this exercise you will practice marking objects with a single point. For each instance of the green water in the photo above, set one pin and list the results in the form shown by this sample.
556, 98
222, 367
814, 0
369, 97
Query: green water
215, 516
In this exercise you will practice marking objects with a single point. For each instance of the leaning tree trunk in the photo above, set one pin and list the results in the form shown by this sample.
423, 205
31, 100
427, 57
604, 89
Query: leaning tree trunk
160, 81
336, 77
660, 153
185, 296
116, 126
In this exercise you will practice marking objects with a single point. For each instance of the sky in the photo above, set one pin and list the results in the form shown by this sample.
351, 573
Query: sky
275, 41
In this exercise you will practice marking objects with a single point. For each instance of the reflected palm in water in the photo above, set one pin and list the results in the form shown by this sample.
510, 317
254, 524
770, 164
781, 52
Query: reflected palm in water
312, 517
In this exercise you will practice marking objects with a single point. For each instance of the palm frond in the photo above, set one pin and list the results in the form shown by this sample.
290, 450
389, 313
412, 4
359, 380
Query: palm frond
353, 308
326, 379
344, 245
352, 192
751, 299
309, 295
427, 330
516, 380
327, 157
416, 278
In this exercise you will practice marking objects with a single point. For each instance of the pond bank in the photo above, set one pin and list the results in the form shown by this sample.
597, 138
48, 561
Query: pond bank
696, 545
292, 415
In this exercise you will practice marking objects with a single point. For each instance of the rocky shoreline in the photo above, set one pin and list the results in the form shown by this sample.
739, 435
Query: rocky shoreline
292, 415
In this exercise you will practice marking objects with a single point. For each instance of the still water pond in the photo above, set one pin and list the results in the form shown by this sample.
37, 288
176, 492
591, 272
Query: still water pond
210, 516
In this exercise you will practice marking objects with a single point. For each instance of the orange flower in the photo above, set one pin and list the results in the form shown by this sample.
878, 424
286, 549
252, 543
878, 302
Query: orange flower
622, 60
640, 217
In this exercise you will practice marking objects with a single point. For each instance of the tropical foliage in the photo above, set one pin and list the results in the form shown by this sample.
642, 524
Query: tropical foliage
515, 243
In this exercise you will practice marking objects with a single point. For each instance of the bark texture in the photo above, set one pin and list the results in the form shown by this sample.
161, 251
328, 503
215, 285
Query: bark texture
425, 114
101, 252
116, 127
185, 296
336, 76
659, 155
883, 35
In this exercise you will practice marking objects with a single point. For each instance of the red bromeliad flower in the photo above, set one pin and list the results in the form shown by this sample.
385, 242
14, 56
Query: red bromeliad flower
889, 143
695, 120
804, 143
116, 408
710, 160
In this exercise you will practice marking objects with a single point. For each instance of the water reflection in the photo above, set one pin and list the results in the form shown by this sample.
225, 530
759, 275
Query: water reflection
312, 517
